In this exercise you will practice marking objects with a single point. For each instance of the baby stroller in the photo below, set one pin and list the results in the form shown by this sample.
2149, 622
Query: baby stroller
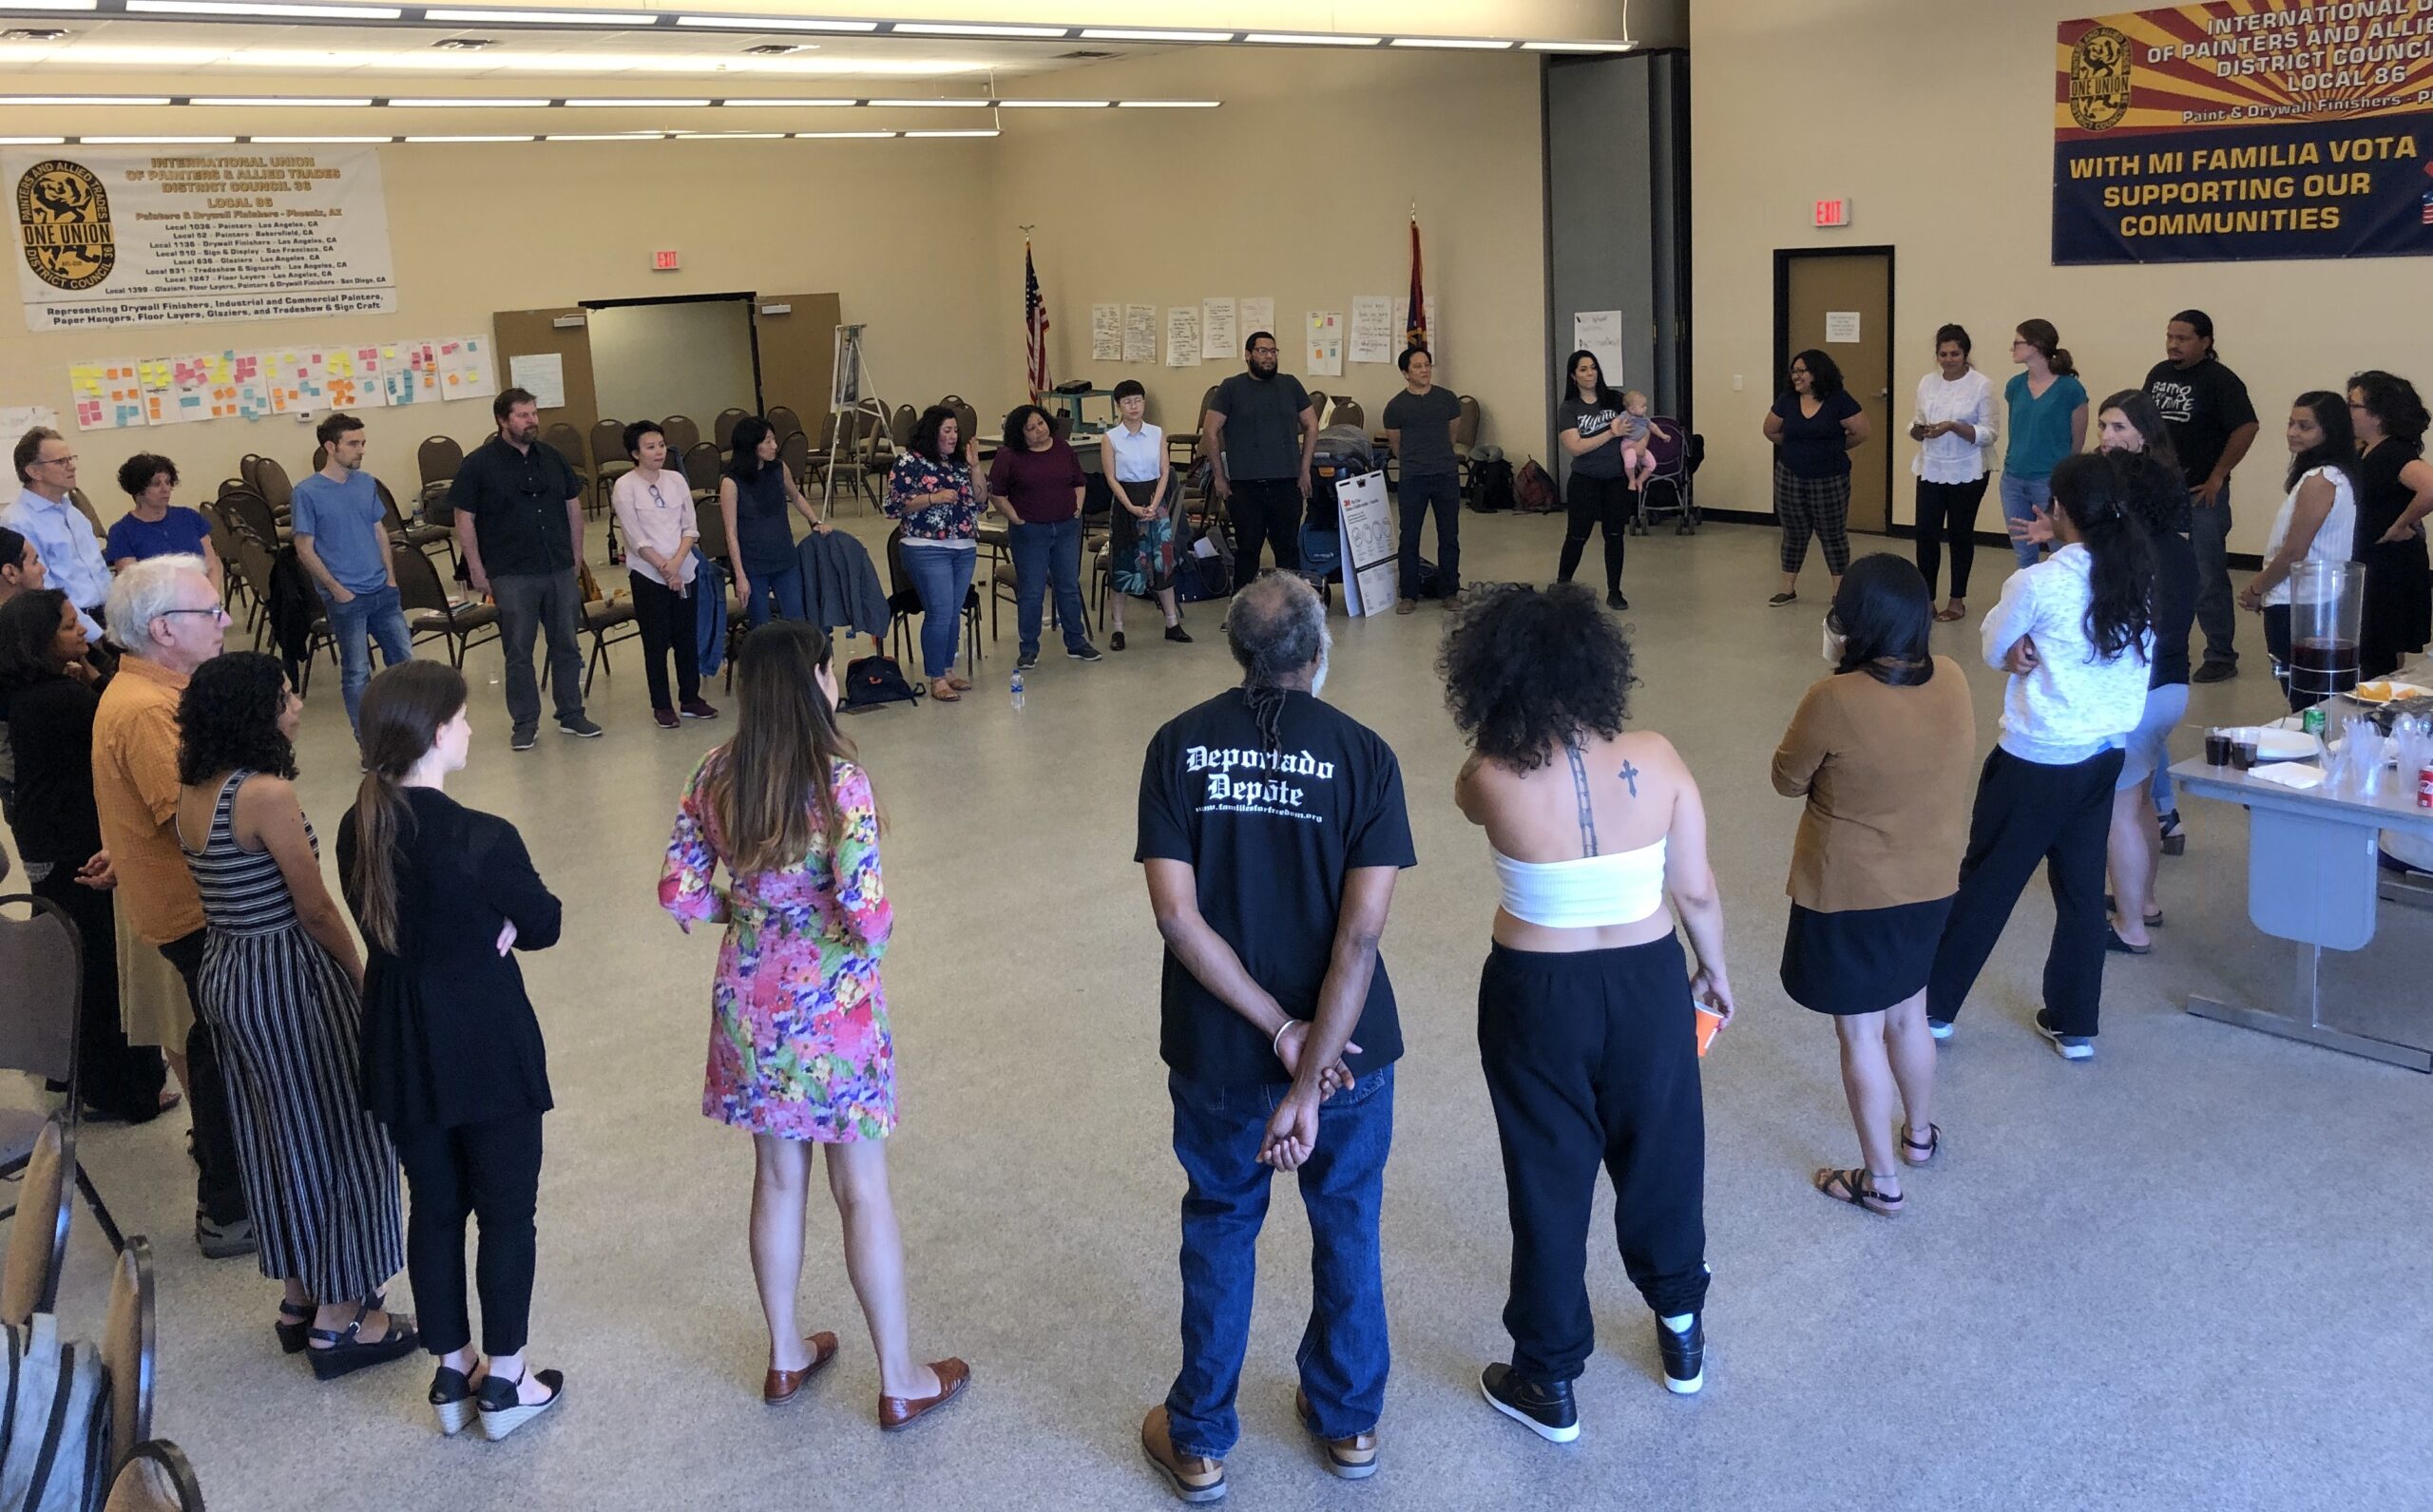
1678, 455
1343, 452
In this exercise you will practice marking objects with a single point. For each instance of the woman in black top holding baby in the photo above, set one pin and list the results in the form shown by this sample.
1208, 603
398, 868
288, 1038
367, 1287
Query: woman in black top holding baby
1589, 424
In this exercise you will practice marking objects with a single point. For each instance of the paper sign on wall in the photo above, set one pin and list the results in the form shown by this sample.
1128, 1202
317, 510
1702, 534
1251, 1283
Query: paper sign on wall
1106, 332
1140, 333
1325, 344
544, 373
108, 396
351, 378
465, 367
1841, 327
1373, 335
16, 419
1600, 332
1258, 315
1182, 335
1216, 339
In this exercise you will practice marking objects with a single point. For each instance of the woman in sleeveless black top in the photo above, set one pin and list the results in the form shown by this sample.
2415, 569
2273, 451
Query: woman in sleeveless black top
2394, 493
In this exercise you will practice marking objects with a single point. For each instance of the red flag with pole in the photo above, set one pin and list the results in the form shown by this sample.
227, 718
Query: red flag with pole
1415, 332
1034, 324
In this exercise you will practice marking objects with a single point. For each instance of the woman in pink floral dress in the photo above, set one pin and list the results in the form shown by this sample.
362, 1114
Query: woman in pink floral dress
800, 1048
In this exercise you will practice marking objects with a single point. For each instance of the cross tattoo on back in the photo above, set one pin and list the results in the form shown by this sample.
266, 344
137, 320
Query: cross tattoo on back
1630, 774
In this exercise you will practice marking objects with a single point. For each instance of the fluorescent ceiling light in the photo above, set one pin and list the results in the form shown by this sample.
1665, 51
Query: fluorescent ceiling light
471, 102
788, 104
772, 24
1474, 44
31, 142
468, 139
1578, 47
1168, 105
304, 142
625, 63
837, 136
329, 102
730, 135
612, 102
974, 29
84, 99
988, 133
152, 141
924, 104
1312, 39
608, 136
1151, 34
1055, 105
549, 18
228, 7
53, 5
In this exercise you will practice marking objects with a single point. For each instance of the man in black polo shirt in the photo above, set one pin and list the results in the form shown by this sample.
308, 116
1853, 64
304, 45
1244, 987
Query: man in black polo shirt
2212, 424
1272, 831
1261, 432
519, 524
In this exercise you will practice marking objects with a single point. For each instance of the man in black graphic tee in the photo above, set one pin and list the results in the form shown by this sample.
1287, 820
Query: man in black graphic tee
1272, 831
2205, 409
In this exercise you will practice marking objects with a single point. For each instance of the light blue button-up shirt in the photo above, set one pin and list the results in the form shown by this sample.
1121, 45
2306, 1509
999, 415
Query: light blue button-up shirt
71, 554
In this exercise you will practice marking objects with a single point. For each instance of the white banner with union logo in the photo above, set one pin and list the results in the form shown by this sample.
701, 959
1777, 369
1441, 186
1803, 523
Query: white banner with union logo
120, 238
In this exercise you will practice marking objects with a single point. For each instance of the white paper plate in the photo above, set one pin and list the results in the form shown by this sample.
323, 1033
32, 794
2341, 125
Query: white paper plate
2277, 744
2391, 691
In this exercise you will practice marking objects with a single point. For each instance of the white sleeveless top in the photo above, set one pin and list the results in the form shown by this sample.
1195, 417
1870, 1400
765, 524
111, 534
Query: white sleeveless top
1137, 457
2334, 543
1588, 893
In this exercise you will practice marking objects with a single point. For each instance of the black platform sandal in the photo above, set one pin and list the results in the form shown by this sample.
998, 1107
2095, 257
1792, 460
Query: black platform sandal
1932, 1144
1856, 1187
454, 1398
295, 1336
504, 1411
346, 1352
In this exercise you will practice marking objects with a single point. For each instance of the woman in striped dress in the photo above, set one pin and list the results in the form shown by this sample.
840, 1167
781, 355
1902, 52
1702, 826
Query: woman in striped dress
282, 984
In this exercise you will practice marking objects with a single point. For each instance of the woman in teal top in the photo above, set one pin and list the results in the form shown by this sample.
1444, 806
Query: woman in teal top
2048, 416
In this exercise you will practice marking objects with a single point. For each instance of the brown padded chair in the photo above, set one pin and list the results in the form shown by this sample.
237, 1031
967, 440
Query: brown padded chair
38, 1235
683, 433
600, 619
1348, 412
702, 465
722, 429
608, 459
793, 454
900, 428
567, 442
782, 419
429, 613
130, 1347
435, 463
419, 537
158, 1476
42, 990
251, 515
1189, 440
76, 496
271, 482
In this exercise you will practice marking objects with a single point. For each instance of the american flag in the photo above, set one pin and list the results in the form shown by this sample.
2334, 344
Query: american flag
1034, 324
1417, 333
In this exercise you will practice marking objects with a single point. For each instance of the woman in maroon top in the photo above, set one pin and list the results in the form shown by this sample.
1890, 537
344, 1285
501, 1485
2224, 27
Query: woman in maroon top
1036, 484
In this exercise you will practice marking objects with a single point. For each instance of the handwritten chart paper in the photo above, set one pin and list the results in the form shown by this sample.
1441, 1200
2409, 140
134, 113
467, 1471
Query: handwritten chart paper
108, 396
1182, 335
1258, 314
1216, 339
1374, 337
1140, 333
1106, 332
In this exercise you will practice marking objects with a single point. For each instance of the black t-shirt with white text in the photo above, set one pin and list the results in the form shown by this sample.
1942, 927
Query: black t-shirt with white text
2200, 406
1270, 835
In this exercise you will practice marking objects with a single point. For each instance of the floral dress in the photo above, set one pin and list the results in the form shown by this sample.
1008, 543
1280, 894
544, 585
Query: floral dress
799, 1044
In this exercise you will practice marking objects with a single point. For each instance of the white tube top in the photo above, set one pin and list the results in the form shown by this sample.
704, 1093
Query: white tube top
1587, 893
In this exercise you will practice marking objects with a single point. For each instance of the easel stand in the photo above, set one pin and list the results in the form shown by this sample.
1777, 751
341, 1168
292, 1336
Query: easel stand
852, 397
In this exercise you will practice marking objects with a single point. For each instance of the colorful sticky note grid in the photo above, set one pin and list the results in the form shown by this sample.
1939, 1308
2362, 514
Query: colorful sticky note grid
108, 396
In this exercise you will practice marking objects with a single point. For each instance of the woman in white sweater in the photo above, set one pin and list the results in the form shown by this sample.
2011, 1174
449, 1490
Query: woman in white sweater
1954, 429
2074, 632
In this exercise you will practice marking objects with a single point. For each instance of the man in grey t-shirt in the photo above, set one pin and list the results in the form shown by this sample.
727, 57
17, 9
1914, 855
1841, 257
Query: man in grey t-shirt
1261, 432
1419, 427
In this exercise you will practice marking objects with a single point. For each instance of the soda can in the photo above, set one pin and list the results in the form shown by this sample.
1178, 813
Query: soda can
2313, 721
2425, 788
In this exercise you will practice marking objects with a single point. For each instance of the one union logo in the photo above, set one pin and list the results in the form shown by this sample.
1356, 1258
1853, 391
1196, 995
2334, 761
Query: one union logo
63, 220
2099, 79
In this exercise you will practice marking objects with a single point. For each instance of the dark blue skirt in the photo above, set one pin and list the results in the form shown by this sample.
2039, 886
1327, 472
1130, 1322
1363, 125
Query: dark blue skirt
1860, 961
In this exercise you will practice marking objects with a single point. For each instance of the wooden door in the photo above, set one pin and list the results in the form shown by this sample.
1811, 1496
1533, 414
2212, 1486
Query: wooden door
1841, 303
538, 333
796, 336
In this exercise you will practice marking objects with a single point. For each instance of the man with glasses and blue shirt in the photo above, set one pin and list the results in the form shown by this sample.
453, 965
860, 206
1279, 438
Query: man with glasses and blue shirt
45, 515
342, 539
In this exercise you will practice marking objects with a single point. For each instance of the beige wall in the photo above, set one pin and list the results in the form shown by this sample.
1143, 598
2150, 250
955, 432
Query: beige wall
1300, 190
661, 359
1939, 130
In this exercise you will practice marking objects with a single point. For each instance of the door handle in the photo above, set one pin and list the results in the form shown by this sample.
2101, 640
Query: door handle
1884, 393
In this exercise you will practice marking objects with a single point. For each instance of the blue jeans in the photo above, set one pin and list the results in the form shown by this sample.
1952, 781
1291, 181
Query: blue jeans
2209, 533
376, 615
2021, 498
1344, 1355
1044, 554
943, 578
1444, 490
785, 585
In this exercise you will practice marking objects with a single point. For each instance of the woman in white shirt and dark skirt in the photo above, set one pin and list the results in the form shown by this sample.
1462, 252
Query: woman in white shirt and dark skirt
1141, 535
2317, 523
1954, 429
2074, 633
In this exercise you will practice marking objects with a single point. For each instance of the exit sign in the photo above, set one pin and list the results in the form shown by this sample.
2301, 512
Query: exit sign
669, 263
1833, 212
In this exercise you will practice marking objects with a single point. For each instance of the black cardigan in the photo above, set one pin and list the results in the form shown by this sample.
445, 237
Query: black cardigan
449, 1036
50, 730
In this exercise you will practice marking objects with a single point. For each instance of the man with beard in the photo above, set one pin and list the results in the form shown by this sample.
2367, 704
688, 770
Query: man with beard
519, 527
1262, 432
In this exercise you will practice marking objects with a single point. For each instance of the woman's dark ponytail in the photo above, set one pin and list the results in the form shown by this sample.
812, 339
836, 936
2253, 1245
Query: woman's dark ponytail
402, 711
2090, 488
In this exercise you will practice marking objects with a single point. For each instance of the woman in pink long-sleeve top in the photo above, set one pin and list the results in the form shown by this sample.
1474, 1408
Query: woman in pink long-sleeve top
800, 1048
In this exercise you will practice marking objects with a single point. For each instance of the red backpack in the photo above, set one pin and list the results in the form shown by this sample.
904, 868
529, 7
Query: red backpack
1533, 493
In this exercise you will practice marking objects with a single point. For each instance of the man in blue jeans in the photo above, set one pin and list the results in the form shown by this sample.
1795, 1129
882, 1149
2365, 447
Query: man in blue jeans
342, 539
1272, 831
1419, 425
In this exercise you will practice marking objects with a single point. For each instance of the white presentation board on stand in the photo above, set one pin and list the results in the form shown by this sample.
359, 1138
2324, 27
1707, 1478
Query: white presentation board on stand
1367, 526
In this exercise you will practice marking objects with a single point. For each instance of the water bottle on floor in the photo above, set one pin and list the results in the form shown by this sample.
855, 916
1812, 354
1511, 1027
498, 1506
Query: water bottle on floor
1018, 689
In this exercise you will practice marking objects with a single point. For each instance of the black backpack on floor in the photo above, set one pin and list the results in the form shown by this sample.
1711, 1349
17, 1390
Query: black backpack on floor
1491, 486
874, 681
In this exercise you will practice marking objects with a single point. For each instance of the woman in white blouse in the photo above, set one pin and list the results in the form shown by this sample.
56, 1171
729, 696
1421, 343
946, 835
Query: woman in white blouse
1140, 544
1954, 429
2317, 522
653, 510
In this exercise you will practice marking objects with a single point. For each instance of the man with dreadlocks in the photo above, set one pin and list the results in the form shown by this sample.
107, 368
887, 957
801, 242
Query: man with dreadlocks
1273, 830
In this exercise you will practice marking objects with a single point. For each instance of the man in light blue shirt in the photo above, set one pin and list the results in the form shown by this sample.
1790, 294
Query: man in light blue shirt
43, 514
342, 539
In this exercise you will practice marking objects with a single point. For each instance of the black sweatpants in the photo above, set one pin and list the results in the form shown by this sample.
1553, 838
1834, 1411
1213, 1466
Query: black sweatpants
218, 1189
1609, 504
490, 1170
116, 1079
1947, 511
670, 626
2028, 812
1265, 509
1592, 1057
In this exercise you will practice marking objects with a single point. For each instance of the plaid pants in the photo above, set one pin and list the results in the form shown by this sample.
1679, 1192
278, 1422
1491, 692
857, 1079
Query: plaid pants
1818, 507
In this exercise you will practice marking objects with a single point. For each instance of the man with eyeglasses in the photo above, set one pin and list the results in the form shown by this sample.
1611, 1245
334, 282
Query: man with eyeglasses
1262, 433
342, 539
167, 616
45, 515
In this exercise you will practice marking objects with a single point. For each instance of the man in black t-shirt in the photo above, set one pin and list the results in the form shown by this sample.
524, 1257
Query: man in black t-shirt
2212, 424
519, 527
1261, 432
1272, 831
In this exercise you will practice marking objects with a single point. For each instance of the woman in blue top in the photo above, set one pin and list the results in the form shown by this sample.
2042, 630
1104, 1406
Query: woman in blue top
155, 528
754, 493
2048, 421
1814, 426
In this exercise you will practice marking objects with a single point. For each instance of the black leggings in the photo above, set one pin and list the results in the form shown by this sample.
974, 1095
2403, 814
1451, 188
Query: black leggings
1608, 502
491, 1171
1592, 1059
669, 622
1948, 510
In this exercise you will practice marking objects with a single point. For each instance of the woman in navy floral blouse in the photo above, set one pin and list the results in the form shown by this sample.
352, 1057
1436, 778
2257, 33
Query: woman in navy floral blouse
929, 489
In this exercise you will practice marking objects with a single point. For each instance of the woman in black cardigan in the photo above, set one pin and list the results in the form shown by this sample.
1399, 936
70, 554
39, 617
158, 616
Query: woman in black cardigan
452, 1057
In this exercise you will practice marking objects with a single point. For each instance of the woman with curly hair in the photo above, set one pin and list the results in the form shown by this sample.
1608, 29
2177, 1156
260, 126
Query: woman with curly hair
1587, 1028
2394, 494
281, 986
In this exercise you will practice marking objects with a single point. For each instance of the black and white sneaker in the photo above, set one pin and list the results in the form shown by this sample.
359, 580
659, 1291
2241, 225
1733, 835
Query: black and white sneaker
1939, 1028
581, 728
1027, 661
1544, 1410
1685, 1355
2068, 1046
1085, 652
521, 740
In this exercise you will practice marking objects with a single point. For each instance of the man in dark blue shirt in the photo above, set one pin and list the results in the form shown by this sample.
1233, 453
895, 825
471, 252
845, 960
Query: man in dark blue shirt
519, 527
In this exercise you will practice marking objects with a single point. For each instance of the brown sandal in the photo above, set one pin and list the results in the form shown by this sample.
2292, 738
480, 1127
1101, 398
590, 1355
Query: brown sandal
1932, 1145
1856, 1186
941, 691
1949, 613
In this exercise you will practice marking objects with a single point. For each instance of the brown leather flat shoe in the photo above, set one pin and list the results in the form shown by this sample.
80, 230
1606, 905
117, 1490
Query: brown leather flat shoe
781, 1385
1191, 1477
958, 683
903, 1411
1351, 1459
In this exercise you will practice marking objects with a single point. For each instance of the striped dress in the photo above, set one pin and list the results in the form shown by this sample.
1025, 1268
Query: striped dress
319, 1170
